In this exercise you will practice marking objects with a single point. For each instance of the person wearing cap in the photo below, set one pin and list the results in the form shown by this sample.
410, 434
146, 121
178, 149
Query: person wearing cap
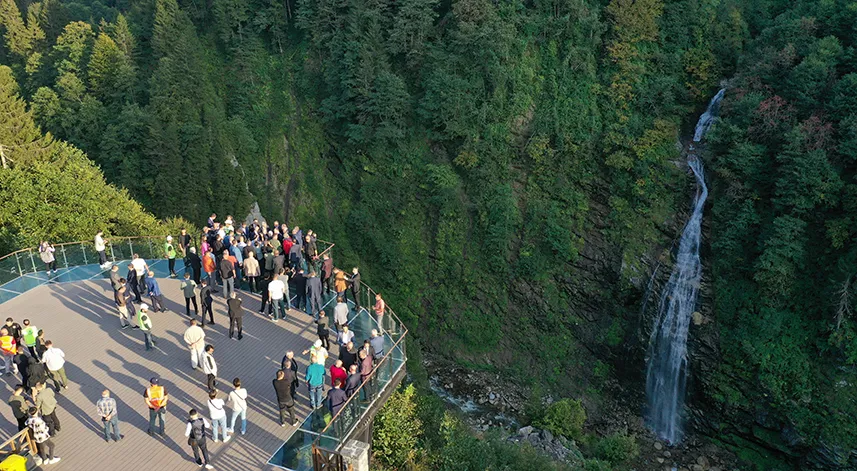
106, 407
156, 400
317, 353
195, 433
155, 293
29, 335
170, 255
144, 320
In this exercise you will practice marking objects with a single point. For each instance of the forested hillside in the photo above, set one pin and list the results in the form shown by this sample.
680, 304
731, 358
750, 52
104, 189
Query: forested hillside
507, 171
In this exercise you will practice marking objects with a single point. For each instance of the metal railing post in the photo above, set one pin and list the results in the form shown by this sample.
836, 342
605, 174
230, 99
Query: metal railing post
64, 259
18, 261
32, 261
131, 248
112, 252
83, 250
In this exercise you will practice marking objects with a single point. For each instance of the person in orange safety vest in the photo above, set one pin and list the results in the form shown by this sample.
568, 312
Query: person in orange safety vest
156, 400
8, 348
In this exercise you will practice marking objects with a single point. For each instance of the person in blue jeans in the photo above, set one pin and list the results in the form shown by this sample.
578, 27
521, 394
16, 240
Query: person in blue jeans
107, 410
238, 402
315, 382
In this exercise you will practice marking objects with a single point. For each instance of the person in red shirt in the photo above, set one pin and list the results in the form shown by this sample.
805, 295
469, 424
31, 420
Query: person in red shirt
287, 244
338, 373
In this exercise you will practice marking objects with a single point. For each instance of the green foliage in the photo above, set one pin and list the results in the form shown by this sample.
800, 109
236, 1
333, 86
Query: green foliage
397, 429
618, 448
564, 417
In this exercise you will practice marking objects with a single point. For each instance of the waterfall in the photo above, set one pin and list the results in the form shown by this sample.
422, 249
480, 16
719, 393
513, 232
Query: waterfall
666, 371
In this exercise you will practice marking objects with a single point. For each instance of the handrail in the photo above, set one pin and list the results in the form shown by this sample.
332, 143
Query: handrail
356, 395
21, 441
125, 238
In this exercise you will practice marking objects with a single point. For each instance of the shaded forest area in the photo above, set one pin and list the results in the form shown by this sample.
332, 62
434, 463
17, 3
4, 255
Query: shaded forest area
506, 171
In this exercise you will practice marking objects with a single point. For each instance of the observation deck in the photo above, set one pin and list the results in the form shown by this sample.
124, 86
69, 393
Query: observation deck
75, 308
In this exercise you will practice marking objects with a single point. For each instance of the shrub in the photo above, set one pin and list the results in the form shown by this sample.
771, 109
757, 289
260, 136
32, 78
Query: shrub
397, 429
617, 448
597, 465
564, 417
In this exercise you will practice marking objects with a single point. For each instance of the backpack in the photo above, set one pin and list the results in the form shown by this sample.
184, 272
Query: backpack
197, 431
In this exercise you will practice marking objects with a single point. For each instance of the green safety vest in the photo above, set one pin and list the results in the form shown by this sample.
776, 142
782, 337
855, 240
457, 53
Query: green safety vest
170, 250
30, 334
144, 321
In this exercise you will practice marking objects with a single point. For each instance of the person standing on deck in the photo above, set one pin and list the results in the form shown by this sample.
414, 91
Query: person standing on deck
327, 273
170, 255
144, 321
313, 290
210, 266
133, 284
19, 406
156, 400
155, 293
188, 288
290, 364
121, 298
251, 270
207, 300
238, 403
46, 401
236, 316
195, 433
217, 413
315, 383
227, 274
340, 314
355, 287
54, 359
209, 367
194, 338
115, 277
106, 407
101, 248
8, 349
278, 293
140, 269
193, 261
46, 253
285, 394
40, 431
29, 334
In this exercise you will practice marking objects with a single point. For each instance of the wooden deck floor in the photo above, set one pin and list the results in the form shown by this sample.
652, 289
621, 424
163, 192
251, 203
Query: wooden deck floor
81, 319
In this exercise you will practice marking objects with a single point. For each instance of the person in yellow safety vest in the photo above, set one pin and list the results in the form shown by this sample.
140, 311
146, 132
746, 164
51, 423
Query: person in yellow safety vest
156, 400
8, 348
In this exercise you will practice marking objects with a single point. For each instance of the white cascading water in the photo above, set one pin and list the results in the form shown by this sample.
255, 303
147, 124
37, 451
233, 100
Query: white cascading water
666, 372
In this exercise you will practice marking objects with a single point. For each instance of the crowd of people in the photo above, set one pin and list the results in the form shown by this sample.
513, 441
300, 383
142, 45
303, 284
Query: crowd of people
270, 261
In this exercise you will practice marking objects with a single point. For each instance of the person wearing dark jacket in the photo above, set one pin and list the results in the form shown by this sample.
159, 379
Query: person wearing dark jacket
313, 292
279, 261
285, 398
236, 315
327, 273
133, 283
323, 331
336, 398
295, 255
366, 366
355, 288
292, 369
22, 362
206, 300
353, 382
266, 296
36, 373
348, 355
195, 264
299, 281
227, 274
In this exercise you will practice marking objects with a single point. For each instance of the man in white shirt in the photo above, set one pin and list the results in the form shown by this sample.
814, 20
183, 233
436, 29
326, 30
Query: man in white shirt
278, 294
54, 360
101, 247
194, 337
140, 268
